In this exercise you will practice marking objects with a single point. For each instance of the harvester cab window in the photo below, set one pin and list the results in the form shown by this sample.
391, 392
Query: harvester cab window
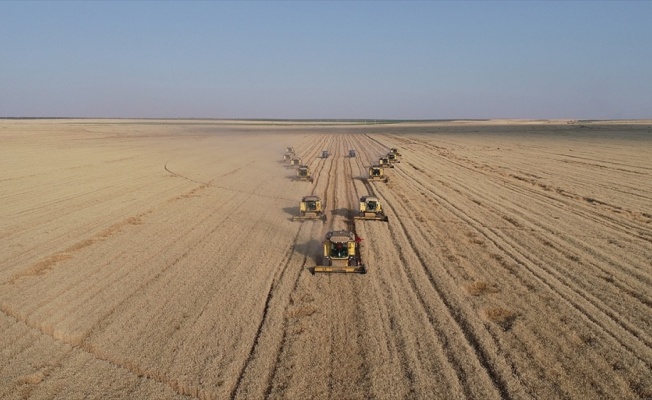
302, 172
371, 205
375, 172
339, 250
311, 205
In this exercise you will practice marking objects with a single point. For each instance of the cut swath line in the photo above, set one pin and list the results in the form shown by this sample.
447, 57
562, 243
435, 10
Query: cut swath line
51, 261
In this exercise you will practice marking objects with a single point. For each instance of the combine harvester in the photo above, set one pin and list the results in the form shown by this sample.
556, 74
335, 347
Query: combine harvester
394, 150
393, 158
352, 153
289, 154
304, 174
341, 254
296, 161
371, 210
377, 173
384, 162
310, 208
325, 154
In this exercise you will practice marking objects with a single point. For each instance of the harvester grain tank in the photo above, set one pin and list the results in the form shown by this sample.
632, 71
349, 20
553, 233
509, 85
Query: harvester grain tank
341, 253
371, 209
310, 207
304, 174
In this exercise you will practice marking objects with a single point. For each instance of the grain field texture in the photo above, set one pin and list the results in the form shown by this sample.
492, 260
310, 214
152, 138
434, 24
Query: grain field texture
158, 259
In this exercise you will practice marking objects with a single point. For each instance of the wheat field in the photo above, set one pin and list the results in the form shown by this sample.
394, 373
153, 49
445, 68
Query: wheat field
158, 259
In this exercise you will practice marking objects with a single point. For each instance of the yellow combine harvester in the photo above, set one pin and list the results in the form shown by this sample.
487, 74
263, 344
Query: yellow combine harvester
393, 158
304, 174
394, 150
341, 253
377, 173
289, 149
371, 209
287, 156
352, 153
384, 161
310, 208
295, 161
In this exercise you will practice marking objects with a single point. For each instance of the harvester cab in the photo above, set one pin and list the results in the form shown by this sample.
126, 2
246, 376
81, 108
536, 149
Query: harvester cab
303, 173
377, 173
352, 153
310, 207
341, 253
371, 209
325, 154
295, 161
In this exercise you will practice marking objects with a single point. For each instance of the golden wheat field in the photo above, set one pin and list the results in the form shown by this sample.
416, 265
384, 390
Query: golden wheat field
158, 259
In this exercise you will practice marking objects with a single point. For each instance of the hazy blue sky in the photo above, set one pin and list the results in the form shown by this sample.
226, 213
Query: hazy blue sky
401, 60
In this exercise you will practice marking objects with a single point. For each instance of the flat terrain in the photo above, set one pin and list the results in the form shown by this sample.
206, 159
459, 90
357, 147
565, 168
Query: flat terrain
158, 259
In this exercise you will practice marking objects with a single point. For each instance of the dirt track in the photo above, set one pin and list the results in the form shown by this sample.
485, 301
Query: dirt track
158, 259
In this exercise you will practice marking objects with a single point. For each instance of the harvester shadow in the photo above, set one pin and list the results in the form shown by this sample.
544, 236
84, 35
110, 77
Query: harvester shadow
311, 250
341, 212
292, 211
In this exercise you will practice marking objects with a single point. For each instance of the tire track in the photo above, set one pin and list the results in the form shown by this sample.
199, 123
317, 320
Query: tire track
273, 288
510, 177
577, 246
463, 324
476, 224
408, 372
277, 290
551, 278
538, 219
357, 303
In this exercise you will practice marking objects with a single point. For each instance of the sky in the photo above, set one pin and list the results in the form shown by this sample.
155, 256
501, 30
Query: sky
327, 60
